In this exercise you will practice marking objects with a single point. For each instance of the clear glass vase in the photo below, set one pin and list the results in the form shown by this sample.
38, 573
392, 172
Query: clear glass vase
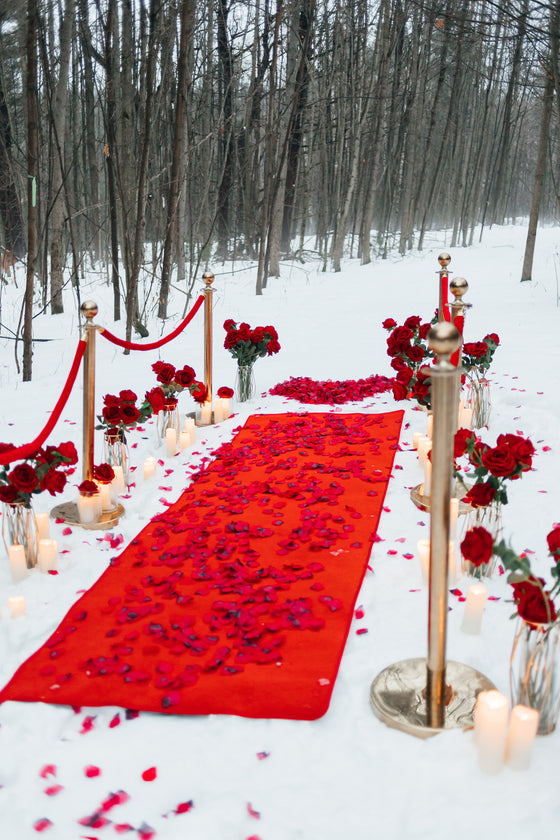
168, 418
490, 518
244, 383
478, 399
117, 454
19, 528
535, 671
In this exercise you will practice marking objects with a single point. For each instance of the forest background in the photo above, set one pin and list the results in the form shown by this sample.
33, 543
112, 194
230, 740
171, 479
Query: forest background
145, 139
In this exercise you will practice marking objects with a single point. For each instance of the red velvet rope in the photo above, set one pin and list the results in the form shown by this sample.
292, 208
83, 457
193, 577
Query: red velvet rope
130, 345
29, 448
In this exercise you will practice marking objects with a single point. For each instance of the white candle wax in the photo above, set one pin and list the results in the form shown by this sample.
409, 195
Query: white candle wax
18, 563
423, 547
171, 442
48, 551
429, 425
105, 496
89, 509
42, 523
424, 446
205, 413
226, 407
17, 605
453, 516
427, 478
490, 728
218, 410
474, 609
119, 478
465, 419
452, 564
185, 440
523, 727
416, 438
190, 425
149, 467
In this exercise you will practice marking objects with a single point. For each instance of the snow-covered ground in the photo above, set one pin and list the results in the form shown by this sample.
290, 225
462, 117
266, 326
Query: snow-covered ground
345, 775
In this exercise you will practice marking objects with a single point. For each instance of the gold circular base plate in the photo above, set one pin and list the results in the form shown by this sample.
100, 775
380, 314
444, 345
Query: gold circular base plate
69, 512
423, 502
397, 696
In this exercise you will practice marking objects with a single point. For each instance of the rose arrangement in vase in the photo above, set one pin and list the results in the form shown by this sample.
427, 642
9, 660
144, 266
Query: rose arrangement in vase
476, 358
407, 345
163, 398
535, 657
120, 414
247, 345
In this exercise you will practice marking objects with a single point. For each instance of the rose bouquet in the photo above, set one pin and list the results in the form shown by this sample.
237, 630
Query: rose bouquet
477, 355
407, 345
247, 345
173, 381
120, 414
46, 469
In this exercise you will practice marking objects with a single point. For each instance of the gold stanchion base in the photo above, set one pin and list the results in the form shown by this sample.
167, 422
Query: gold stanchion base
423, 502
397, 696
69, 512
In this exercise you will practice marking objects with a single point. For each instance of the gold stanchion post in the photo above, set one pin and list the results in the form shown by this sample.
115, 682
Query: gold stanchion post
425, 696
208, 278
89, 311
443, 274
458, 287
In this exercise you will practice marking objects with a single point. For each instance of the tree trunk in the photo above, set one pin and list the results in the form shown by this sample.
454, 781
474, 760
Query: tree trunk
31, 93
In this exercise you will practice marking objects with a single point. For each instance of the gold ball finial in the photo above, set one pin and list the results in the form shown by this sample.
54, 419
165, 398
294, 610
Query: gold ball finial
89, 309
444, 259
459, 287
444, 338
208, 277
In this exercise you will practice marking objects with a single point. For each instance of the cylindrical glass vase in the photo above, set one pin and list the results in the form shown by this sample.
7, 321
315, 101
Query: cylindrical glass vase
535, 671
490, 518
168, 418
19, 528
116, 453
478, 399
244, 383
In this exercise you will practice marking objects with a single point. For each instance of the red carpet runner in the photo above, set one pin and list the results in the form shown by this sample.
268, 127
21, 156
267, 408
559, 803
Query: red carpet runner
238, 599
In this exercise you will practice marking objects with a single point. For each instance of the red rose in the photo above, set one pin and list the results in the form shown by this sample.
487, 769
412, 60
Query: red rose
400, 391
199, 392
272, 347
533, 603
165, 372
185, 376
244, 332
128, 396
231, 339
389, 324
492, 337
413, 322
415, 353
88, 488
500, 461
422, 388
423, 330
553, 540
68, 452
480, 495
54, 481
129, 414
404, 375
111, 399
112, 413
225, 392
398, 364
399, 340
476, 349
522, 449
477, 546
460, 441
257, 335
156, 398
271, 332
229, 324
24, 478
104, 473
8, 493
170, 403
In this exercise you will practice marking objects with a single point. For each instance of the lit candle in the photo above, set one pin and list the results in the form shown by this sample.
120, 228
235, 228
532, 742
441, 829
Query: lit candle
452, 564
423, 546
430, 425
119, 478
474, 609
205, 414
149, 467
42, 523
523, 727
226, 407
427, 478
171, 442
416, 437
105, 496
218, 410
48, 550
18, 563
424, 446
190, 425
185, 440
490, 728
465, 419
17, 605
89, 508
453, 516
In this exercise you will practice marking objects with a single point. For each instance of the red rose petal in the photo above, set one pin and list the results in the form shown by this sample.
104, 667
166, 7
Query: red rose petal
42, 824
87, 725
184, 807
115, 721
47, 770
252, 813
150, 774
53, 790
91, 771
66, 532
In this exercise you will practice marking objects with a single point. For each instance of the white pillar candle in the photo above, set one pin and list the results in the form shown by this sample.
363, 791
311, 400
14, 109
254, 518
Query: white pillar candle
185, 440
452, 564
205, 414
149, 467
490, 728
171, 442
453, 516
105, 496
424, 446
42, 523
523, 727
218, 410
89, 509
416, 438
226, 407
48, 551
423, 547
427, 477
18, 563
429, 425
474, 608
119, 478
17, 605
190, 425
465, 419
